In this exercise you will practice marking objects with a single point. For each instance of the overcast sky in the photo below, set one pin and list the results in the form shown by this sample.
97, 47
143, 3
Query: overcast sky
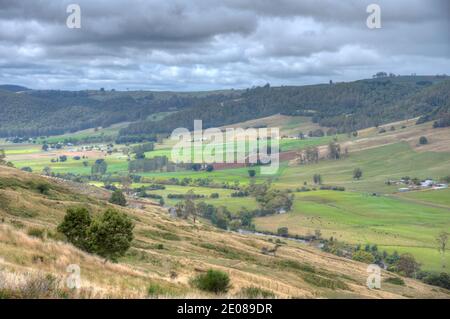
207, 44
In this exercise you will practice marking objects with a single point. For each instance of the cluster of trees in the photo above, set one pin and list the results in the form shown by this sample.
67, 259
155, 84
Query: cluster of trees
443, 121
148, 164
140, 149
308, 155
99, 167
108, 235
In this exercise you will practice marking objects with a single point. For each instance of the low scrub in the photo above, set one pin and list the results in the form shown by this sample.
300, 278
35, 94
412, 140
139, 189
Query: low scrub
215, 281
156, 290
36, 232
323, 282
255, 293
395, 281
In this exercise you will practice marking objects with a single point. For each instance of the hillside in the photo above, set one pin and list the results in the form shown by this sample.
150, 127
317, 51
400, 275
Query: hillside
36, 113
346, 106
166, 253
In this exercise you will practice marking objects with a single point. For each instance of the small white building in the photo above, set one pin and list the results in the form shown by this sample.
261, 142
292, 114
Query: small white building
427, 183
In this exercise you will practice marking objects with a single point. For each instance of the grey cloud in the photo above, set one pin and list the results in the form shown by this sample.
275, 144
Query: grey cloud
209, 44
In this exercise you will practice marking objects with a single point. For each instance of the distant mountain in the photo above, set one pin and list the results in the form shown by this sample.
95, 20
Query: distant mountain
13, 88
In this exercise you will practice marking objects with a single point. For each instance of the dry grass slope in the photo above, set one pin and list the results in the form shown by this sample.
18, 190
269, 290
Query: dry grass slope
166, 252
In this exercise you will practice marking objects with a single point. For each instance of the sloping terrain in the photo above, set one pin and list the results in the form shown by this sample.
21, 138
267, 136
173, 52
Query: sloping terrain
166, 252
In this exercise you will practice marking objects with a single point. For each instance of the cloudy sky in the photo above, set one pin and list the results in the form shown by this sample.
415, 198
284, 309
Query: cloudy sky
208, 44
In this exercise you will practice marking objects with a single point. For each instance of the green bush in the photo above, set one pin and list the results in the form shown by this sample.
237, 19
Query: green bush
255, 292
36, 232
440, 280
118, 198
215, 281
423, 140
363, 256
320, 281
43, 188
155, 290
395, 281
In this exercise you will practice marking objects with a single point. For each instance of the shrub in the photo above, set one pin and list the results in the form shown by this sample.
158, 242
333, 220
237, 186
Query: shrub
215, 281
395, 281
118, 198
214, 195
320, 281
357, 173
423, 140
43, 188
440, 280
283, 231
255, 292
36, 232
363, 256
155, 290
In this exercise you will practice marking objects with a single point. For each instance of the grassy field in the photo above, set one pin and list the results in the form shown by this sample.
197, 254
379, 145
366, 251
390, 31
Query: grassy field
378, 164
364, 219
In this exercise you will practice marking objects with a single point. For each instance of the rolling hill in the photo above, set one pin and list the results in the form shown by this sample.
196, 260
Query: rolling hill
346, 106
166, 253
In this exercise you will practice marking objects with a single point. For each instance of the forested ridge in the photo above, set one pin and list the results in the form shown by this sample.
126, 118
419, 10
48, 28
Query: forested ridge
345, 106
41, 113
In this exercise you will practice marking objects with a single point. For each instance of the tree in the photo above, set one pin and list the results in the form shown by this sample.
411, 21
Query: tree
251, 172
408, 265
441, 240
189, 209
46, 170
99, 168
111, 235
317, 233
2, 155
357, 173
75, 227
334, 150
423, 140
317, 178
118, 198
126, 181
